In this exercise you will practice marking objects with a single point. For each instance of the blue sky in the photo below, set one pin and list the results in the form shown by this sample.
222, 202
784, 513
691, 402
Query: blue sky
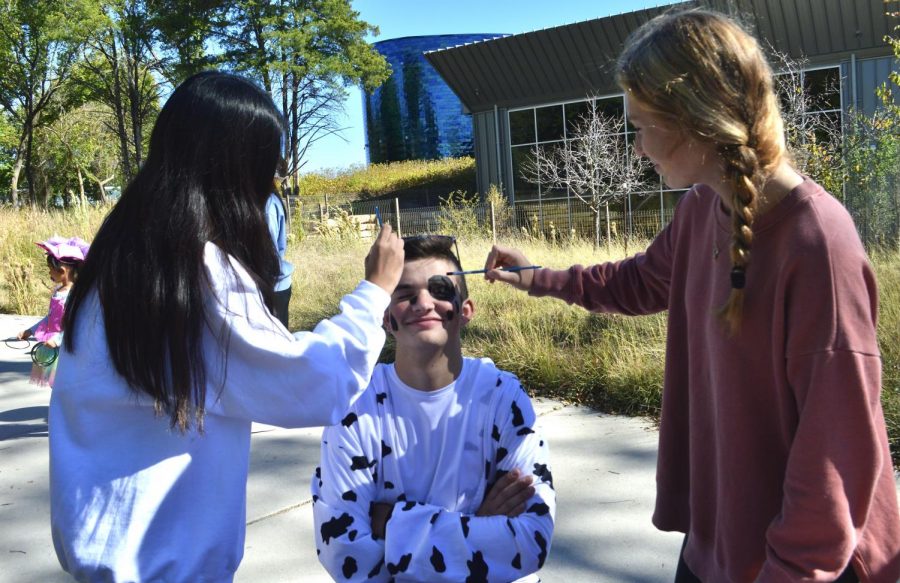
399, 18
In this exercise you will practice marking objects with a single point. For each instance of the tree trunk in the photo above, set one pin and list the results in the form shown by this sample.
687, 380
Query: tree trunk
608, 228
134, 99
29, 172
101, 186
119, 109
14, 183
596, 228
81, 195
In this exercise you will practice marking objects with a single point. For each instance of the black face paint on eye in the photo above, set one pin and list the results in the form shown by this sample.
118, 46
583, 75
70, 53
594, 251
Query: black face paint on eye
394, 325
442, 288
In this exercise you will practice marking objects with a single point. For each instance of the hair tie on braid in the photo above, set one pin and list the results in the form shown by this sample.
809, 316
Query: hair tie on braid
738, 278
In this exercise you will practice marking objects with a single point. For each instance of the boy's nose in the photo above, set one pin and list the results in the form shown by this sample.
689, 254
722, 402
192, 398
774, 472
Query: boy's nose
424, 301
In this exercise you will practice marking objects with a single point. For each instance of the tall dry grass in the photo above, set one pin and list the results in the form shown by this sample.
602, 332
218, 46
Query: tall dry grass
614, 363
24, 280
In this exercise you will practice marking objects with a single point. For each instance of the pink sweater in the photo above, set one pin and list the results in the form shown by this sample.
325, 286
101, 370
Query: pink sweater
772, 448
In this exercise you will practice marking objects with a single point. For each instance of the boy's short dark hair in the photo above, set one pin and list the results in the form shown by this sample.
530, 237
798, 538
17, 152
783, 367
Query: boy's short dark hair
435, 247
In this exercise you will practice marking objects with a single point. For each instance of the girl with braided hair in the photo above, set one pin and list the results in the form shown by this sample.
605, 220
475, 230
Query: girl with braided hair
773, 452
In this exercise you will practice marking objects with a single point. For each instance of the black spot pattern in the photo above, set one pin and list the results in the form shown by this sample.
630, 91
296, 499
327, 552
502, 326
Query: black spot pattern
385, 449
464, 520
542, 543
501, 453
434, 517
487, 469
352, 535
349, 420
401, 498
543, 472
380, 397
538, 508
401, 566
335, 527
315, 498
499, 381
376, 569
349, 568
510, 526
517, 561
349, 495
495, 433
524, 431
409, 506
361, 462
388, 485
437, 560
478, 569
517, 419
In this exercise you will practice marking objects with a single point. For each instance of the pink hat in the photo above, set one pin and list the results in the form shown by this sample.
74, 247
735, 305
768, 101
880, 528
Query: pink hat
65, 250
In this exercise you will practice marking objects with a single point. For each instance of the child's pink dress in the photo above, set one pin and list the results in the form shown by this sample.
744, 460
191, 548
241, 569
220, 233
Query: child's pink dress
49, 328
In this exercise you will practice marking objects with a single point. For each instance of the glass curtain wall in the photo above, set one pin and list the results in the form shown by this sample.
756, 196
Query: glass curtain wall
642, 212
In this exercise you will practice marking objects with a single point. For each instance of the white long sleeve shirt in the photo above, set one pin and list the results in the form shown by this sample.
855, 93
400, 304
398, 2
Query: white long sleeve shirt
133, 500
433, 455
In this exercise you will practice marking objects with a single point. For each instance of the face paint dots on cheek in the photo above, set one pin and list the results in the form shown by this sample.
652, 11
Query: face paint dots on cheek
456, 309
394, 325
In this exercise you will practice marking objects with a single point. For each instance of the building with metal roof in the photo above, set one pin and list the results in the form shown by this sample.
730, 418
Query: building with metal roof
522, 90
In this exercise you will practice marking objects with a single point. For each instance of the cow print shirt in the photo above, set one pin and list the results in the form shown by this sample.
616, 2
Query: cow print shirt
433, 534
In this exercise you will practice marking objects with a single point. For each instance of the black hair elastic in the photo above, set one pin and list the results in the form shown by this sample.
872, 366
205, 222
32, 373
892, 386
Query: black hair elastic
738, 278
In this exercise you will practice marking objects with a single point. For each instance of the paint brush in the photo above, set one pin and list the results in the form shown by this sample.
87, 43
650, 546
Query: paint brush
514, 268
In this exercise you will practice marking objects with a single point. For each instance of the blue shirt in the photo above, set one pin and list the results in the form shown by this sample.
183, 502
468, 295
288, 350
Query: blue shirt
275, 219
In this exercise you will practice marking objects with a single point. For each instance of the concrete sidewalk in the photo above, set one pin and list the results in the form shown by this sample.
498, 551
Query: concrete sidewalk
603, 469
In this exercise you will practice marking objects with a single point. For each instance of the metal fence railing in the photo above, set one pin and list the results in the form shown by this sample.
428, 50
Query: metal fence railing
877, 218
553, 219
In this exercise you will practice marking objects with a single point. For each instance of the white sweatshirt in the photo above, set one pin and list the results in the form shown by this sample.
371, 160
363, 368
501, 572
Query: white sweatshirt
434, 456
132, 500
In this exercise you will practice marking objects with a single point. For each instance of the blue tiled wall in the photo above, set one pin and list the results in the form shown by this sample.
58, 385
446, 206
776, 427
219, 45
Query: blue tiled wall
415, 115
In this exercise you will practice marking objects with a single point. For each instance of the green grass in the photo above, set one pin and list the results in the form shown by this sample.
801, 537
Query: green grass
613, 363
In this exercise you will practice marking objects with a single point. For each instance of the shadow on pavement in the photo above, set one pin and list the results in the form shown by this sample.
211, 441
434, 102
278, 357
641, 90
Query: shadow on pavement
12, 427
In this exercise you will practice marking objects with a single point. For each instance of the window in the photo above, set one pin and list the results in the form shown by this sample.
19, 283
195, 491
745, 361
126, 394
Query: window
521, 127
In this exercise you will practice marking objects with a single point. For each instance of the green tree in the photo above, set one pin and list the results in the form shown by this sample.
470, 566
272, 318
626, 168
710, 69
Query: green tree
184, 29
39, 42
304, 52
120, 70
83, 149
873, 163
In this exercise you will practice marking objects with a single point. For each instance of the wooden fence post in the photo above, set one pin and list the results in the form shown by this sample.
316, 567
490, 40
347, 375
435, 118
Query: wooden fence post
493, 224
321, 212
397, 212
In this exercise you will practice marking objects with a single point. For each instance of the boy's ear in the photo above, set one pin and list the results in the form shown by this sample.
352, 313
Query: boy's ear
386, 322
467, 311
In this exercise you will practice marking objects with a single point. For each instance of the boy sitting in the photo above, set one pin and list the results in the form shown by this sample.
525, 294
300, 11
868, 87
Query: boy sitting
437, 473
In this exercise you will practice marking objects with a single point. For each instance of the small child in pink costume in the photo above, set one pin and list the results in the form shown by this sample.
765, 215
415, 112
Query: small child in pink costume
64, 257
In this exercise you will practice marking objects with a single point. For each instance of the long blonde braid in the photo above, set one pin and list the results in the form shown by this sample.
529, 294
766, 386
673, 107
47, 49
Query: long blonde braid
703, 72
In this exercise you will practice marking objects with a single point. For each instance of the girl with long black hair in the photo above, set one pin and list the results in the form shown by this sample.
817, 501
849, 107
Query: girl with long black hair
173, 351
